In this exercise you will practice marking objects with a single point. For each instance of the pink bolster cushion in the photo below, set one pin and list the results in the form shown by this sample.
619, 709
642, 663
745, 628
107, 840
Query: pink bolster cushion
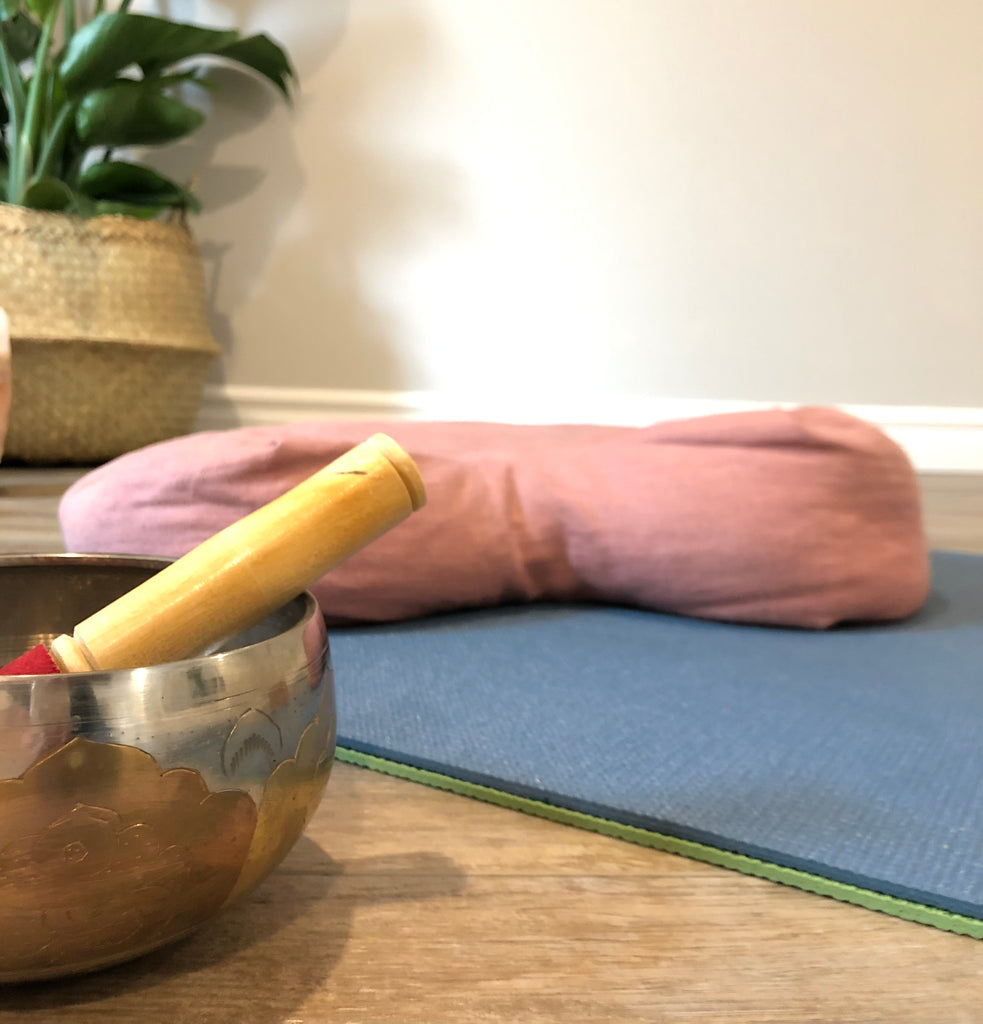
803, 518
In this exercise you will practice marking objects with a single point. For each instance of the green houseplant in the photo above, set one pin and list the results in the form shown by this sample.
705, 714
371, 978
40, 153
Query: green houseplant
99, 272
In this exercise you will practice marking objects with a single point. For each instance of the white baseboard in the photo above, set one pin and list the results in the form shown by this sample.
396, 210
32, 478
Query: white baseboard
938, 439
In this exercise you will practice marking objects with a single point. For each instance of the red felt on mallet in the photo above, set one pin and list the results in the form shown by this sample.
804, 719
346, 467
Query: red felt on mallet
36, 662
246, 571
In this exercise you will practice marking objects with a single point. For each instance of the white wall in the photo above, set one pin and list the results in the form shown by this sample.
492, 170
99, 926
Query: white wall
732, 199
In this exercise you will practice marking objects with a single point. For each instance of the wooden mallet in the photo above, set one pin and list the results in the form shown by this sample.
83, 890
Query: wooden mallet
237, 577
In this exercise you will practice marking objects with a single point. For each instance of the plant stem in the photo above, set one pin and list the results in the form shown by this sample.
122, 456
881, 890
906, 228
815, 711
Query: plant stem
68, 21
14, 89
54, 143
30, 129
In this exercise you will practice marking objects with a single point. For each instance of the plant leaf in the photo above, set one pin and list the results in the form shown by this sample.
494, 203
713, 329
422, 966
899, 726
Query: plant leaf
21, 34
9, 9
264, 56
111, 42
140, 211
133, 114
134, 184
48, 194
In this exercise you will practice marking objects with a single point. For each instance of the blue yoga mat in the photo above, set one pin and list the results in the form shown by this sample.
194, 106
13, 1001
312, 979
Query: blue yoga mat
849, 762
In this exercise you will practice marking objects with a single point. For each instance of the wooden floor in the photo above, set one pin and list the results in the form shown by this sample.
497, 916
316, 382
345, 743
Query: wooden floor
404, 904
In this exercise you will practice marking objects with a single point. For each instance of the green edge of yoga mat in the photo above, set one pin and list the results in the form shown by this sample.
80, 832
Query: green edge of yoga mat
867, 898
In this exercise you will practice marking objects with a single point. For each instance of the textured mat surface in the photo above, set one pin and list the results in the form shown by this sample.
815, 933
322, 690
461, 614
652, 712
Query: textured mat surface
848, 762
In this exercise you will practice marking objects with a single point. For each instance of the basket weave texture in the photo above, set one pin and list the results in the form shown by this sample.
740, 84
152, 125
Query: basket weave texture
110, 342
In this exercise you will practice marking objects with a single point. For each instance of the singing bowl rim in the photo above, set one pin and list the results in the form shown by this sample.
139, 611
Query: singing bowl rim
289, 637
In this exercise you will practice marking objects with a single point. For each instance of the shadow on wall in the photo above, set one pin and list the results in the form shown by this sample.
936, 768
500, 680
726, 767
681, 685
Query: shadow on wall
300, 202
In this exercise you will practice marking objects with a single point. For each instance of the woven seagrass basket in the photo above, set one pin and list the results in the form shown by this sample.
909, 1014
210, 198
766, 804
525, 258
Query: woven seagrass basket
109, 338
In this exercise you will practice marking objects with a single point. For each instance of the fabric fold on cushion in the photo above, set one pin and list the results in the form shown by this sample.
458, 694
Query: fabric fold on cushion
804, 517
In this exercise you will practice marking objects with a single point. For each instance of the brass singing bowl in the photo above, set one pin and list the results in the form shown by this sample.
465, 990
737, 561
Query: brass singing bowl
136, 804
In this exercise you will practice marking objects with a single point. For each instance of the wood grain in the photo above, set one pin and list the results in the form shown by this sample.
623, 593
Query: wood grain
405, 904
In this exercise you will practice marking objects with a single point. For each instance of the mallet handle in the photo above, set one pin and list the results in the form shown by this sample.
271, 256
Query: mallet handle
236, 578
